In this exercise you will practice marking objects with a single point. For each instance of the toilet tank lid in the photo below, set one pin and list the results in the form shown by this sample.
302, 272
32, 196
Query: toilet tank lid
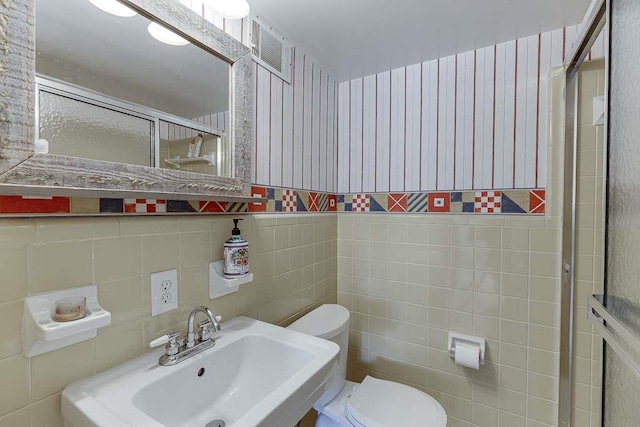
326, 321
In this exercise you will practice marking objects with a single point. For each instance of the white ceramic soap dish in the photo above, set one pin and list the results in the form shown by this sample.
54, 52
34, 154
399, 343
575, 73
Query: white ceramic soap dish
43, 334
219, 285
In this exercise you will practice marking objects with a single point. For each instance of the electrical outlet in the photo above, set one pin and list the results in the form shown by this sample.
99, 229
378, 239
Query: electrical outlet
164, 292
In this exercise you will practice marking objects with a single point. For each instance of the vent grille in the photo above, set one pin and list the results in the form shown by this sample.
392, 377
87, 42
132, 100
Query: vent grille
270, 49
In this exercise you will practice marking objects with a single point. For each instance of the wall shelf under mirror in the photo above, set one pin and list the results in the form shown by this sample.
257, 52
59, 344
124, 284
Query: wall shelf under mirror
178, 161
118, 121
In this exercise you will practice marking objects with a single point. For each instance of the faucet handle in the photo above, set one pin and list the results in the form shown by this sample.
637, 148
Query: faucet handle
171, 341
205, 330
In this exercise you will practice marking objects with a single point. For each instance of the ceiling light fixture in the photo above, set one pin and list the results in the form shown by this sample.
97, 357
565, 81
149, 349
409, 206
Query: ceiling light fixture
165, 35
114, 7
230, 9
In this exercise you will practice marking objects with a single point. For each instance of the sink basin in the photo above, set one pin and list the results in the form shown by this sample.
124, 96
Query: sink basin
257, 374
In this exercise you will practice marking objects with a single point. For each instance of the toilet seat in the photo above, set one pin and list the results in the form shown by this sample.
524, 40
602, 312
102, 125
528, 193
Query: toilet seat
379, 403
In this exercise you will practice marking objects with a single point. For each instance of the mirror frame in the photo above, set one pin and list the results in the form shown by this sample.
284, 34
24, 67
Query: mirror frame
25, 172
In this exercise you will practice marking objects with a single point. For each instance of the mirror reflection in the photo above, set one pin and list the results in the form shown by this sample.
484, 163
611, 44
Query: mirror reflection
114, 86
188, 149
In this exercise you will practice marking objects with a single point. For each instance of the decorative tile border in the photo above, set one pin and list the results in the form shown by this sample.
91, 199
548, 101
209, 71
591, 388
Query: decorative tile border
281, 200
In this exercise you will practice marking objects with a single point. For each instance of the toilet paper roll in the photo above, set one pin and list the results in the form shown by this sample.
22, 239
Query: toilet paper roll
468, 355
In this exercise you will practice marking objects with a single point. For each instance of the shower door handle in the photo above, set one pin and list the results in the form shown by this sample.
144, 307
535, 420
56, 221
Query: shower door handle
618, 336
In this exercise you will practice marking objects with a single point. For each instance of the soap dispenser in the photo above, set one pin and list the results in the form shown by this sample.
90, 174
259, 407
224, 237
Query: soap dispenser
236, 254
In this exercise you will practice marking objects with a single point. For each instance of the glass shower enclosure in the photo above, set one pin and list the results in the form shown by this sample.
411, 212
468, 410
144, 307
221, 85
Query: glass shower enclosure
619, 309
613, 312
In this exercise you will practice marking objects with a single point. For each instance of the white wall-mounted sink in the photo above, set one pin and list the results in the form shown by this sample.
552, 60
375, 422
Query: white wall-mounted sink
257, 374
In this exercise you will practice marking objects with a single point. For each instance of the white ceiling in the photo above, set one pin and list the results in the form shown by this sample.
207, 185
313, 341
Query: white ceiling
355, 38
80, 44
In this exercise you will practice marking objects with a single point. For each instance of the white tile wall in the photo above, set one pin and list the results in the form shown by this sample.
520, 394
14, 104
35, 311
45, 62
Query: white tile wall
293, 258
408, 280
589, 248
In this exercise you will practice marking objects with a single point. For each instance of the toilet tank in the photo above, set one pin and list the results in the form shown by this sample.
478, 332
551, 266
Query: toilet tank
331, 322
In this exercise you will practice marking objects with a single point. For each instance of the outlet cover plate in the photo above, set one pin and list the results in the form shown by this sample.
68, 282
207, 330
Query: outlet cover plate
164, 292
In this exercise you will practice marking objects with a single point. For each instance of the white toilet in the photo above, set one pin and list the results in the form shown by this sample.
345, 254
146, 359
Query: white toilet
372, 403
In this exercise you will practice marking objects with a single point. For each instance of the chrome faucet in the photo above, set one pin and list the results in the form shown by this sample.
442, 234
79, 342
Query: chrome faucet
205, 326
176, 351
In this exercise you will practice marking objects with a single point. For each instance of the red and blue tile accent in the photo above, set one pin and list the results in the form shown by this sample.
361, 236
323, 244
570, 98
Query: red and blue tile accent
417, 202
34, 205
361, 203
289, 201
439, 202
145, 206
488, 202
537, 201
111, 206
314, 200
397, 202
212, 207
258, 192
284, 200
332, 203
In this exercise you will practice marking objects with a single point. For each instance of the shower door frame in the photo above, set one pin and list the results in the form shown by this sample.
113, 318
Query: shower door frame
593, 25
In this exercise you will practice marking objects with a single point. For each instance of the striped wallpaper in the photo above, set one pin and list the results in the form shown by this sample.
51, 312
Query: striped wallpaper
217, 120
476, 120
172, 131
295, 141
233, 27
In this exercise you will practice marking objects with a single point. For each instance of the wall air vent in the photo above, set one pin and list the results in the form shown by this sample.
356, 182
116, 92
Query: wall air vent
270, 49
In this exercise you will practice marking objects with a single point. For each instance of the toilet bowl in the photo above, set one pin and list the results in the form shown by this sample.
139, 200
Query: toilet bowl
372, 403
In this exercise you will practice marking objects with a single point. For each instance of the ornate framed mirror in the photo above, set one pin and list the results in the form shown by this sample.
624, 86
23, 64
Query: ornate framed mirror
155, 101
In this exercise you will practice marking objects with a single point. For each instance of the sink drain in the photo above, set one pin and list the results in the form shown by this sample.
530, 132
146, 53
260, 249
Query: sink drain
215, 423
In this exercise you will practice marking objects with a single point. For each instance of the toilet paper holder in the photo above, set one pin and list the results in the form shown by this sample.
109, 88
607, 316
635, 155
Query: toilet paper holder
455, 338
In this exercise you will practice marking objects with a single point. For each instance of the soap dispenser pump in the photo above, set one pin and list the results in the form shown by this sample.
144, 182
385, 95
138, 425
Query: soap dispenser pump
236, 254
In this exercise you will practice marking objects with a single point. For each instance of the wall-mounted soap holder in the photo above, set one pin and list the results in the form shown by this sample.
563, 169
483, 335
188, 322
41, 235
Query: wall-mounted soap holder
219, 285
43, 334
